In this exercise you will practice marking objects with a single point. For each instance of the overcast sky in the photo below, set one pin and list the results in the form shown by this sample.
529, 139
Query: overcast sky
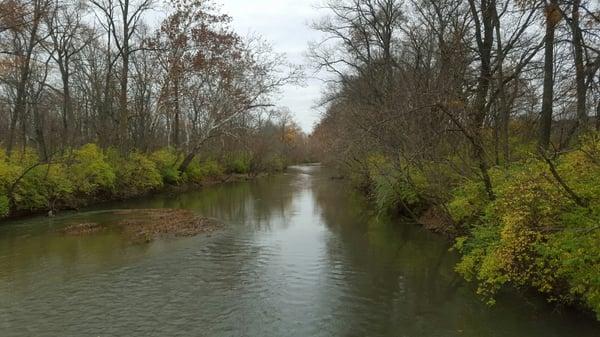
285, 24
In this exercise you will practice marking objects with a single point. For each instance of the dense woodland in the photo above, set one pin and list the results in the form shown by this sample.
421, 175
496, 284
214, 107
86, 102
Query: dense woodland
480, 119
104, 99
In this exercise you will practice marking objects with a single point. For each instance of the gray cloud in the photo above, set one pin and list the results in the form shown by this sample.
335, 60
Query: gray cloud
285, 24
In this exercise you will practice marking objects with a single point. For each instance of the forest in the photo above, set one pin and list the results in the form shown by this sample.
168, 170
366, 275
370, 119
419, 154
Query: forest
105, 99
480, 119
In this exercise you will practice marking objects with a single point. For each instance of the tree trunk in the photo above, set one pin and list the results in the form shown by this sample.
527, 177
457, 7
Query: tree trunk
123, 111
176, 107
39, 134
503, 105
548, 96
496, 134
21, 92
598, 116
187, 161
105, 110
579, 67
478, 113
17, 112
67, 105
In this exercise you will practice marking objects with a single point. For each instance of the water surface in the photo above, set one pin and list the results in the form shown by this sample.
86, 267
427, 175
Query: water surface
300, 255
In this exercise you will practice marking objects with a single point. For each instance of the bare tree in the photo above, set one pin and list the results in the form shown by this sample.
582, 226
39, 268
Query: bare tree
553, 16
222, 102
123, 18
26, 35
65, 27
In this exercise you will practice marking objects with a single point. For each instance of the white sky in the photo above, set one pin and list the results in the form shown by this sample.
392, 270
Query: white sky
285, 24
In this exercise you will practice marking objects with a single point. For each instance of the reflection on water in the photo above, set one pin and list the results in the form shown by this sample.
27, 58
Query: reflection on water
300, 256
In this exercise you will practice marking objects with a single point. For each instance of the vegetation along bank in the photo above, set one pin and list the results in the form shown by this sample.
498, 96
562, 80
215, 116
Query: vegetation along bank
89, 174
481, 119
98, 103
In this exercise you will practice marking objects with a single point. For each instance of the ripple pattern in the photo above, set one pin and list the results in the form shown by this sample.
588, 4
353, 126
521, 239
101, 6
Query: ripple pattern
297, 258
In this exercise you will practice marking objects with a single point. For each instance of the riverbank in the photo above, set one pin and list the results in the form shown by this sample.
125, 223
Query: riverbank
169, 189
299, 252
539, 231
90, 175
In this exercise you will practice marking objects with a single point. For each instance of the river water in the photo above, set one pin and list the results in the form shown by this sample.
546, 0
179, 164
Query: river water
300, 255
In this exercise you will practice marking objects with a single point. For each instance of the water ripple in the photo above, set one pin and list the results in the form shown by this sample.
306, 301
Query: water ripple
297, 258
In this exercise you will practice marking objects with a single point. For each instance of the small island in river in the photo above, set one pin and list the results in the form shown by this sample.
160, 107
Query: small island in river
145, 225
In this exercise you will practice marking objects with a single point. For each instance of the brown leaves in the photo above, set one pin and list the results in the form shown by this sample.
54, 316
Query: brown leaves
149, 224
196, 39
12, 14
553, 13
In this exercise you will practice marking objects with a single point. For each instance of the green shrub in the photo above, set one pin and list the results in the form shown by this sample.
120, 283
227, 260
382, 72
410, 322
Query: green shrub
90, 170
534, 234
212, 168
468, 202
193, 172
198, 171
9, 172
276, 163
167, 162
34, 185
392, 188
4, 206
26, 184
42, 187
136, 174
239, 162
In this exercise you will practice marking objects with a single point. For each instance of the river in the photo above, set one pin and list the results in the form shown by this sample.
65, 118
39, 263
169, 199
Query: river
300, 255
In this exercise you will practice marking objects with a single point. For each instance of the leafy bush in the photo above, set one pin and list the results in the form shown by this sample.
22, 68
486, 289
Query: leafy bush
136, 174
198, 171
4, 206
9, 172
91, 171
239, 162
275, 163
535, 234
212, 168
392, 187
42, 187
28, 184
167, 162
469, 200
32, 185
